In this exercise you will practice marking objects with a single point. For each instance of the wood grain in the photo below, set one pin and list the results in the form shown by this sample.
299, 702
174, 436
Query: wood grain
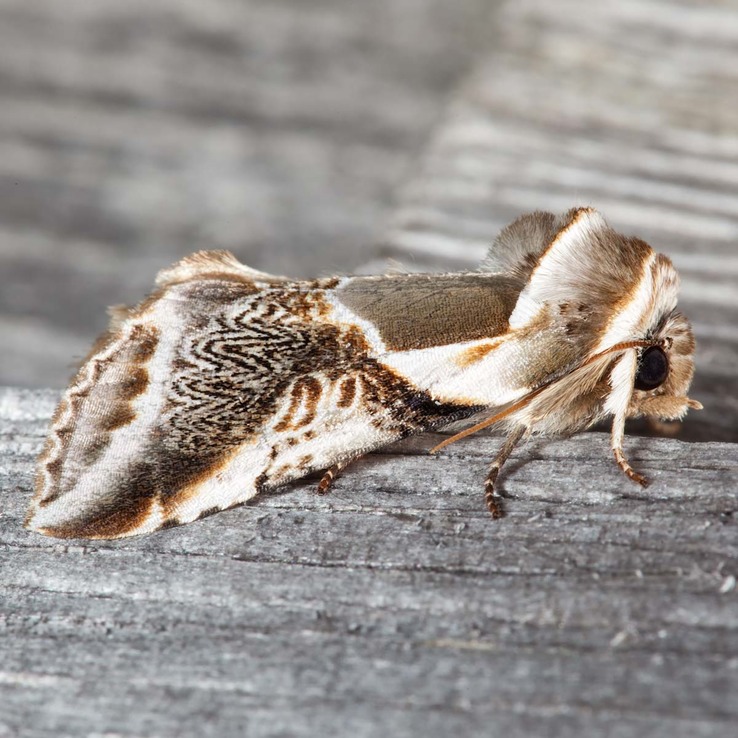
394, 603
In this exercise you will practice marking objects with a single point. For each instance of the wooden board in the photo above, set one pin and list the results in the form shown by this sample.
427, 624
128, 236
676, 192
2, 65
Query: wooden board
391, 606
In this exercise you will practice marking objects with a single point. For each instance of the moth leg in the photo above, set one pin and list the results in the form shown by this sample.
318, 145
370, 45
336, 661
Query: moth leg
628, 469
491, 496
618, 433
327, 478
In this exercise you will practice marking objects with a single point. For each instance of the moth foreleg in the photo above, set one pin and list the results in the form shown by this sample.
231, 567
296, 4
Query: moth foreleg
491, 496
628, 470
327, 479
616, 443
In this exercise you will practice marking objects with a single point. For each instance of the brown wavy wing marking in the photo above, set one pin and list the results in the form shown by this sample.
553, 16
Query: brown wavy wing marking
388, 401
305, 392
347, 391
237, 357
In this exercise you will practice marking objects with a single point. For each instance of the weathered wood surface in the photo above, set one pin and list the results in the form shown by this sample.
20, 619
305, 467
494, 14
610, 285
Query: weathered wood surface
394, 606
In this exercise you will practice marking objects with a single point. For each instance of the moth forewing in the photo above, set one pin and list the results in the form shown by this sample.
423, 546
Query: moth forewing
243, 385
226, 381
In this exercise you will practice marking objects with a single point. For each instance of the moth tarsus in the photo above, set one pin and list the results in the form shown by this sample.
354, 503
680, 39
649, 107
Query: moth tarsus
493, 496
493, 500
326, 481
227, 381
628, 470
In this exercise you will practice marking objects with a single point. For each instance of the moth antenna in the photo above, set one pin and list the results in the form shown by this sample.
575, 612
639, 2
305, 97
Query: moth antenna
497, 417
625, 345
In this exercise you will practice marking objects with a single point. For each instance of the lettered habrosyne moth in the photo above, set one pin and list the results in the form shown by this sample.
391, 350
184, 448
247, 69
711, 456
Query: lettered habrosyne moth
227, 381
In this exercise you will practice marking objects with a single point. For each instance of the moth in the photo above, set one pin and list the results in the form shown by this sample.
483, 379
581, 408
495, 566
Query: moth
227, 381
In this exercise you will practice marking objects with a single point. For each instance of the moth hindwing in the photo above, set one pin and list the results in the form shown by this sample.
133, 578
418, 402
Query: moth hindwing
227, 381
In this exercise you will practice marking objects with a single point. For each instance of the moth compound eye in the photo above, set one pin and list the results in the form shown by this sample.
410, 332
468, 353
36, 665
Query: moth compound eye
653, 369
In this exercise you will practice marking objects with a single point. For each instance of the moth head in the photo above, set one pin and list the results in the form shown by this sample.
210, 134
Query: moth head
664, 370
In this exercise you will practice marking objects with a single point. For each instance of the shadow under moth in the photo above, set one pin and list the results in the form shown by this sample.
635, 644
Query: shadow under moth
227, 381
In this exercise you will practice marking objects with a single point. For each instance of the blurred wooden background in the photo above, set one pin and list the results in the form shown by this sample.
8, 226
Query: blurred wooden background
328, 136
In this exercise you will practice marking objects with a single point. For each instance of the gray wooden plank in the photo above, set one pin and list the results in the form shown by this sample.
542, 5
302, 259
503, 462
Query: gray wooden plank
391, 604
